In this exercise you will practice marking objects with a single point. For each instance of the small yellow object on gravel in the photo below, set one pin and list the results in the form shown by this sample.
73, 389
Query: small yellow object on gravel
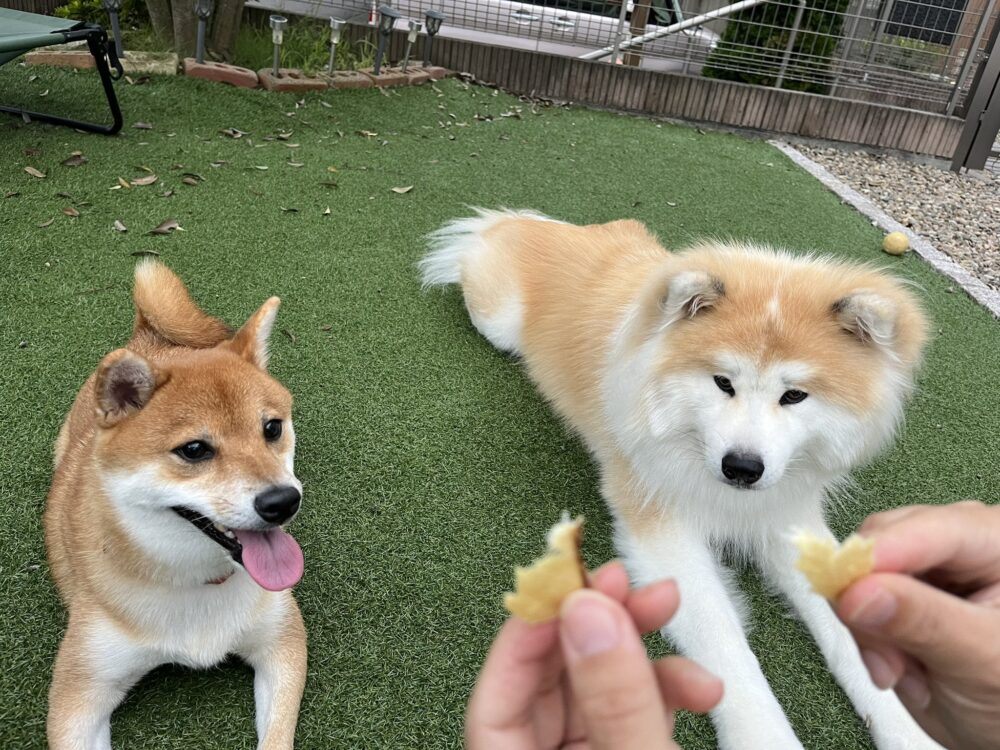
830, 567
542, 587
896, 243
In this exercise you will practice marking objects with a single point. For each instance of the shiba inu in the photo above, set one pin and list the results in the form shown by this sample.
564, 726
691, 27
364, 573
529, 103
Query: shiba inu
173, 477
723, 391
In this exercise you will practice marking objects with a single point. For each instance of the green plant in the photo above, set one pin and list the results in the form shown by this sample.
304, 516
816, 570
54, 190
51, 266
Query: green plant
91, 11
754, 42
306, 47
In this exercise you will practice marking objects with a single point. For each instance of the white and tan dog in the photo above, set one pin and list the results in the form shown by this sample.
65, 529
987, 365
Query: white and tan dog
723, 391
173, 476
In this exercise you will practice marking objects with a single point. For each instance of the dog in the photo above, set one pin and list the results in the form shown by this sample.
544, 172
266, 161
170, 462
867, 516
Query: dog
173, 476
723, 391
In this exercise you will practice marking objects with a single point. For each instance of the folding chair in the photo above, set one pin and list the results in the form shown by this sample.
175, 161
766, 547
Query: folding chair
22, 32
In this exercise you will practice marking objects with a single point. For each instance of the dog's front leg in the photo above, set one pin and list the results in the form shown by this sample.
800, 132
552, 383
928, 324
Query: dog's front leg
891, 725
707, 627
94, 669
276, 649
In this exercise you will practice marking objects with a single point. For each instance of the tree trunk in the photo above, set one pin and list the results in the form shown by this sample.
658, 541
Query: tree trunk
160, 18
226, 27
185, 28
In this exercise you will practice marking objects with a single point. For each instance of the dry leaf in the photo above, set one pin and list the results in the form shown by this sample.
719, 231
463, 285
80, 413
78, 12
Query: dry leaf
119, 227
402, 190
292, 145
45, 223
194, 176
284, 136
44, 93
167, 194
189, 181
288, 333
234, 132
331, 169
143, 126
34, 172
166, 227
258, 166
326, 328
327, 212
295, 164
74, 160
124, 183
10, 194
289, 210
366, 133
143, 252
71, 212
145, 180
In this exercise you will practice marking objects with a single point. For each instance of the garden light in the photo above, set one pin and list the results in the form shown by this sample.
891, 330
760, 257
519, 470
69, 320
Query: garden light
335, 28
113, 7
411, 37
386, 20
278, 24
202, 9
433, 25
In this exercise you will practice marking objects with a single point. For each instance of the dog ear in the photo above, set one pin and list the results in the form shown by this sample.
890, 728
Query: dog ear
250, 342
125, 382
868, 316
690, 292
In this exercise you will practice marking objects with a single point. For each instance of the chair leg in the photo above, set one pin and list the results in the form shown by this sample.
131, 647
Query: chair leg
102, 50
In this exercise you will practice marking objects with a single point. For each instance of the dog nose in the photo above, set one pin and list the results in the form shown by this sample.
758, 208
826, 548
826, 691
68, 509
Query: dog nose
277, 504
742, 468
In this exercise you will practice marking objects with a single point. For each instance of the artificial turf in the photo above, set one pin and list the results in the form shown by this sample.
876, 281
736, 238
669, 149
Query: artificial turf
430, 465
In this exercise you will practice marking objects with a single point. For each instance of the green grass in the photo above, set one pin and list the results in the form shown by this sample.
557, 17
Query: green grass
430, 464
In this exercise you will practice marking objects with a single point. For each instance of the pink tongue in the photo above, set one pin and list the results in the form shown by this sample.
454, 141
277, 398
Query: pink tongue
272, 558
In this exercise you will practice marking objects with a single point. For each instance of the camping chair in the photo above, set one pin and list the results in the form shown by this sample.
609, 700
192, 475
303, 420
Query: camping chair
22, 32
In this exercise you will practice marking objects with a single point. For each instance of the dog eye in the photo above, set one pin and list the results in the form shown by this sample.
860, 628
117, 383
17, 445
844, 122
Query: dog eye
195, 451
272, 430
792, 397
725, 385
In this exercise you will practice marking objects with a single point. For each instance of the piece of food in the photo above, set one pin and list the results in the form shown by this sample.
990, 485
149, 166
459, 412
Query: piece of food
542, 587
832, 567
896, 243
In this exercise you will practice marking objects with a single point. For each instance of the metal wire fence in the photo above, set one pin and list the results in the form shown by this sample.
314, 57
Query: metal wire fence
919, 54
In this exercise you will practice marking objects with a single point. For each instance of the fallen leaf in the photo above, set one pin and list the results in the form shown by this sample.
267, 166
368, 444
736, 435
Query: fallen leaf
327, 212
34, 172
671, 204
295, 164
189, 181
326, 328
234, 132
32, 152
144, 168
329, 184
366, 133
166, 227
71, 212
402, 190
143, 252
167, 194
289, 210
326, 104
10, 194
217, 164
45, 223
258, 166
331, 169
194, 176
284, 136
293, 145
44, 93
143, 126
119, 227
129, 80
145, 180
32, 79
124, 183
74, 160
289, 334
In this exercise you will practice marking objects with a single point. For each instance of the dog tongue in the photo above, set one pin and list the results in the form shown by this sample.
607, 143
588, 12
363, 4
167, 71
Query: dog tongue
272, 558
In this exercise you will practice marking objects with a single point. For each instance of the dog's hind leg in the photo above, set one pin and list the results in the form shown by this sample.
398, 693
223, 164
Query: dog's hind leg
94, 669
276, 650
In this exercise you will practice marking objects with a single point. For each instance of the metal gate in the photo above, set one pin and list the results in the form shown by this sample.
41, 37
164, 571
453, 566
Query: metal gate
978, 142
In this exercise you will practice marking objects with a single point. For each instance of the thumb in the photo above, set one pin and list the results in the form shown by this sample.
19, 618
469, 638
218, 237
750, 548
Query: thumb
613, 682
944, 632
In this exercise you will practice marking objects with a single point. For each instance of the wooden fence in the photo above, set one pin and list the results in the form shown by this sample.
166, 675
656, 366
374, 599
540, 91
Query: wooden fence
697, 99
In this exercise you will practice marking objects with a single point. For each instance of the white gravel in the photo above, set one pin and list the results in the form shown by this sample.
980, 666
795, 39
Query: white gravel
958, 214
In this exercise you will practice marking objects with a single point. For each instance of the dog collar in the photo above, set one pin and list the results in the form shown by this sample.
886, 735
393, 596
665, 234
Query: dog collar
220, 579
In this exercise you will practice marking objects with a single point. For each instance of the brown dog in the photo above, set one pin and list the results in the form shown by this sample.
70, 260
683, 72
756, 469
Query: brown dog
173, 476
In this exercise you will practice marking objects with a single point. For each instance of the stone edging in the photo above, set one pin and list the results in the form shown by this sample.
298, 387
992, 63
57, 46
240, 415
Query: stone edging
976, 289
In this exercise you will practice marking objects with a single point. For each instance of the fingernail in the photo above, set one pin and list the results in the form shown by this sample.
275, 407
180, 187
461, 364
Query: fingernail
913, 690
879, 669
588, 626
877, 610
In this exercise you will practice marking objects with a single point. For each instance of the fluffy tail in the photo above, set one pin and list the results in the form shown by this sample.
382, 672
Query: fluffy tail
165, 310
462, 238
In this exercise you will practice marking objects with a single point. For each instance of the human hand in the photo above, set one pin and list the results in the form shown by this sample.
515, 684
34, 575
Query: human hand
928, 619
584, 681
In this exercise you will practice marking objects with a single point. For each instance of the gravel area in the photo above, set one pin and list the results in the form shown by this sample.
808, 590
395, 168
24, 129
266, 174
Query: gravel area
958, 214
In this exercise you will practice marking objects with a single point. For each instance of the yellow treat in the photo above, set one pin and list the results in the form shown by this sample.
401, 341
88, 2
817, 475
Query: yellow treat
896, 243
542, 587
830, 567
